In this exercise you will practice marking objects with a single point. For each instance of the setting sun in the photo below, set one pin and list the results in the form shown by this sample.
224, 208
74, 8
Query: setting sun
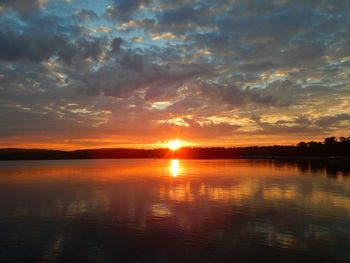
175, 144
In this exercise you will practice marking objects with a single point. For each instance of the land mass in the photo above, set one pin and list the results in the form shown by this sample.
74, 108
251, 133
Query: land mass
331, 147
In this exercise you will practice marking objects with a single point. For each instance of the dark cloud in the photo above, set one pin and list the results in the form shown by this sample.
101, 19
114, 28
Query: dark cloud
25, 47
90, 48
133, 61
295, 126
132, 72
116, 44
182, 15
329, 121
124, 9
22, 6
21, 46
301, 125
278, 93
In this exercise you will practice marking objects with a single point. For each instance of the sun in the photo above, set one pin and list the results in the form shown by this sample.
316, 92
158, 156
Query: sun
175, 144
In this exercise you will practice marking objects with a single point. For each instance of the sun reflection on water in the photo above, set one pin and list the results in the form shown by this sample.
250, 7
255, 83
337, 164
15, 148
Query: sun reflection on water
200, 201
174, 168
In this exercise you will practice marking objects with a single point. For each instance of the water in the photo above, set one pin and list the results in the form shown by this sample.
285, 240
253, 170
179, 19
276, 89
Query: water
173, 211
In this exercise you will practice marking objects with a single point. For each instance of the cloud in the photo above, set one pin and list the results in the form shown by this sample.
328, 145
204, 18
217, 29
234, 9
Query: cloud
279, 93
19, 46
35, 49
116, 44
137, 39
329, 121
23, 6
124, 9
167, 35
86, 14
211, 65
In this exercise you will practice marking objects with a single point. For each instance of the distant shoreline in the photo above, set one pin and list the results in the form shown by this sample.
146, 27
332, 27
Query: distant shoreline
263, 152
328, 160
320, 158
332, 164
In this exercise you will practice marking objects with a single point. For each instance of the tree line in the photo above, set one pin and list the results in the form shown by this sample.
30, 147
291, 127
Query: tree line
330, 147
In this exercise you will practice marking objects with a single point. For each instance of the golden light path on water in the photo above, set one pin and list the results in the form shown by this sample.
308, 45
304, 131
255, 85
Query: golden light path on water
174, 168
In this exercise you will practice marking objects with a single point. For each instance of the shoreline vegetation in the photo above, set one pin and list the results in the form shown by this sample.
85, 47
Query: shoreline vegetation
332, 149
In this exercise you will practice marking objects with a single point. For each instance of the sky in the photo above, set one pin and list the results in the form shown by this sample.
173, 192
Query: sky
136, 73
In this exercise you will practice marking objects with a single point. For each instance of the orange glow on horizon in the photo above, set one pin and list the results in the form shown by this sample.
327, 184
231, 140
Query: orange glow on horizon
98, 142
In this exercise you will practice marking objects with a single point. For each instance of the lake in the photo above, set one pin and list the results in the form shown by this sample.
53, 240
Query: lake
158, 210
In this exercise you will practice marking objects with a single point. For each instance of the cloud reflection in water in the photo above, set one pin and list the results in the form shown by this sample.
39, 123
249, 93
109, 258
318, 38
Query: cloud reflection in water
120, 205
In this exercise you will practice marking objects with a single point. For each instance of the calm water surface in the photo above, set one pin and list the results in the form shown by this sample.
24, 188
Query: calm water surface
172, 211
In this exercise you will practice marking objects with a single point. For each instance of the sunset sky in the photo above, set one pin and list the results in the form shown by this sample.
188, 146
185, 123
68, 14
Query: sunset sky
137, 73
